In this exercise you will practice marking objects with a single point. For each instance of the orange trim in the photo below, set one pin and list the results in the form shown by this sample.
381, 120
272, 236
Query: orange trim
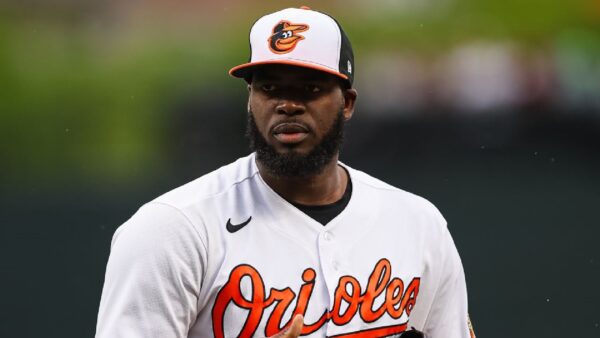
236, 71
371, 333
471, 331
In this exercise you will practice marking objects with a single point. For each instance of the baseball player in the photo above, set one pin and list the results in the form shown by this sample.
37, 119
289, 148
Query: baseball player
287, 241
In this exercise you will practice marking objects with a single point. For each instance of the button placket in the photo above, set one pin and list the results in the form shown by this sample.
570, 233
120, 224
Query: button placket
329, 263
335, 264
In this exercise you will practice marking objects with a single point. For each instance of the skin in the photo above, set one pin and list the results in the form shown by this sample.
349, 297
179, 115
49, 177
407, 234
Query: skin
311, 99
294, 330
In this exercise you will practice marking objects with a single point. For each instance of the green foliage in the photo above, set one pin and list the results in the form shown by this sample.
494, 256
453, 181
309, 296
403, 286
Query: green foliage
84, 97
75, 103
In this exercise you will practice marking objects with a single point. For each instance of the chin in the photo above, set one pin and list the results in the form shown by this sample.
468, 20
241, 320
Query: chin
293, 150
302, 145
302, 159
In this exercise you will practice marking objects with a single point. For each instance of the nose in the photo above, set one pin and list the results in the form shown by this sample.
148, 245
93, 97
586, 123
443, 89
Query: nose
288, 106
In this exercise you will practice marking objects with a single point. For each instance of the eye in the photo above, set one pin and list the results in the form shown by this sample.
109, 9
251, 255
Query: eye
287, 34
267, 87
312, 88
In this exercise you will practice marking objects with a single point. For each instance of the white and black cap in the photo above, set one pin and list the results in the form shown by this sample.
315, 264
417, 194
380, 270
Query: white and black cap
299, 37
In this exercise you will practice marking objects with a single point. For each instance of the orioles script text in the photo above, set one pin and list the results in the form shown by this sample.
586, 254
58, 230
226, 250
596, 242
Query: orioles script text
396, 300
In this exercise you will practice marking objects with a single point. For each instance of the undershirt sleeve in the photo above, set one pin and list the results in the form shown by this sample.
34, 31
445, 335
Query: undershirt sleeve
153, 276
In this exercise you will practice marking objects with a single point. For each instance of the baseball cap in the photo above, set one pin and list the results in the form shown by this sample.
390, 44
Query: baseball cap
299, 37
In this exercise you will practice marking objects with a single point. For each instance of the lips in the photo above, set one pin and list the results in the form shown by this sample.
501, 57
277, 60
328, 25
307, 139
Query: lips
290, 127
290, 132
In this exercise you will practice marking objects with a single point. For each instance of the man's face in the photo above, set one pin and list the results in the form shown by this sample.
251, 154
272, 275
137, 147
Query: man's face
296, 118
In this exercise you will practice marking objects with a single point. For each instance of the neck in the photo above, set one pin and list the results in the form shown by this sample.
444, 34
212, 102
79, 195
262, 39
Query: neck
324, 188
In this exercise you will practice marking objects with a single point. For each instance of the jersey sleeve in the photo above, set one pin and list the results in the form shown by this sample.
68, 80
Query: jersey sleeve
153, 276
448, 317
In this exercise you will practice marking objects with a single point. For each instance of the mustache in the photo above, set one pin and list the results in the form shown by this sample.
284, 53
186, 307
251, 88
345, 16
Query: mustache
294, 164
292, 122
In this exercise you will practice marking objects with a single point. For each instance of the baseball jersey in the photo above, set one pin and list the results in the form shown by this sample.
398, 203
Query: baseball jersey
226, 256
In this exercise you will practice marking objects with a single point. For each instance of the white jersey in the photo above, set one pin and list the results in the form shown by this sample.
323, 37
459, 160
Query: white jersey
226, 256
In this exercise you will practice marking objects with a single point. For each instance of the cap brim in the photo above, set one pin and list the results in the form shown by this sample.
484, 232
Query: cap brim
245, 70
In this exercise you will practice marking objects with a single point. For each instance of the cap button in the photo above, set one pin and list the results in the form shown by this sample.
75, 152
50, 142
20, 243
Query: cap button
304, 7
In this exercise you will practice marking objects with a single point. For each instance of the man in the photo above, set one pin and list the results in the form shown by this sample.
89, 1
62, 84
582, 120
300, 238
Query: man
287, 241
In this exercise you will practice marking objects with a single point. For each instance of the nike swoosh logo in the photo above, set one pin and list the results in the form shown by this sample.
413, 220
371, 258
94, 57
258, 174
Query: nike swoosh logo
236, 227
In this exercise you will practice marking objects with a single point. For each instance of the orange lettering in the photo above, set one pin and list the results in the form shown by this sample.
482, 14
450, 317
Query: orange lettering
353, 299
378, 280
410, 296
231, 293
284, 298
308, 276
393, 296
349, 299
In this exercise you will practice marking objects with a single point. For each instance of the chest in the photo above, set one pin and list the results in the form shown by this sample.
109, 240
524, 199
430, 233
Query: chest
346, 280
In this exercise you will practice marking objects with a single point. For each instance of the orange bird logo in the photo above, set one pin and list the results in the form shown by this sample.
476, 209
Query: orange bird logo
285, 37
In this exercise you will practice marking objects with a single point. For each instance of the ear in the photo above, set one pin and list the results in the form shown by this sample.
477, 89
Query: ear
349, 102
249, 87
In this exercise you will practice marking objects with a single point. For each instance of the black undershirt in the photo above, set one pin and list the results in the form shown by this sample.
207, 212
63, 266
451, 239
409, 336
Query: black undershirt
325, 213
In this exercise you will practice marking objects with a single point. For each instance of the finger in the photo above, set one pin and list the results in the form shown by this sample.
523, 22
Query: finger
296, 328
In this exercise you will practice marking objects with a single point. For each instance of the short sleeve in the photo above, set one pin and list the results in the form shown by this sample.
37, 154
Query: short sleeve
448, 317
153, 276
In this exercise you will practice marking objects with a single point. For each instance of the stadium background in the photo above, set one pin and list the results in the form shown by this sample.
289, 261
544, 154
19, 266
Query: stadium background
490, 109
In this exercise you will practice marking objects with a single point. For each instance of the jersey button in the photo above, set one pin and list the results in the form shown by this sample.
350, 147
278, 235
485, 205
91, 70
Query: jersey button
327, 236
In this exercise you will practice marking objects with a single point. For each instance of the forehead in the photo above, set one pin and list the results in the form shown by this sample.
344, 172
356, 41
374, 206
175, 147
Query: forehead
290, 74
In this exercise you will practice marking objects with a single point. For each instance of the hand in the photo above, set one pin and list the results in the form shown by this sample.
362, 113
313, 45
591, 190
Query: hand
294, 330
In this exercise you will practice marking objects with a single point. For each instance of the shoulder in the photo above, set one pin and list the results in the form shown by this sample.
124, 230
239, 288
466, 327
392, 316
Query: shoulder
155, 237
397, 198
178, 213
210, 185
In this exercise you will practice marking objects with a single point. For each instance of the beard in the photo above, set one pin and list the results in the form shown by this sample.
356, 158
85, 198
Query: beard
292, 163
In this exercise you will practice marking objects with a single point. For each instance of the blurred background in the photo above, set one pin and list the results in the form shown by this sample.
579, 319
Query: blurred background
489, 109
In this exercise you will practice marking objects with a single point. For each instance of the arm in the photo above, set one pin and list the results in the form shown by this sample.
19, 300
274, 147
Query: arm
448, 316
152, 277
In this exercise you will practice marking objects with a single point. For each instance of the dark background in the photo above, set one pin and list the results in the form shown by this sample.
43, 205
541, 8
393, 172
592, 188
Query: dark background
105, 107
